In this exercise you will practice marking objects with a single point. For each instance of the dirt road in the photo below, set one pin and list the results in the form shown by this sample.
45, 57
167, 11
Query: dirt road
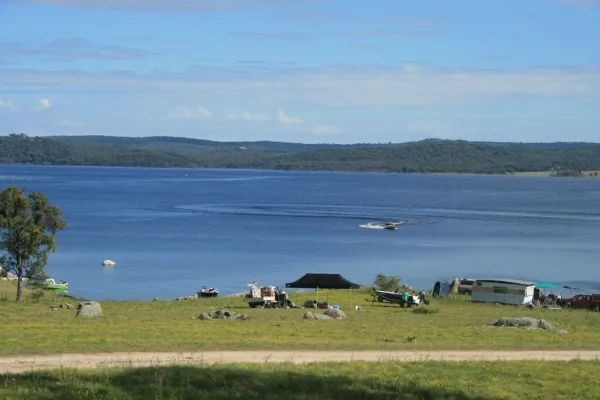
26, 363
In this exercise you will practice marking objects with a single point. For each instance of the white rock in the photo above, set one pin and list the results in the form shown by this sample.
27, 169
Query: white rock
109, 263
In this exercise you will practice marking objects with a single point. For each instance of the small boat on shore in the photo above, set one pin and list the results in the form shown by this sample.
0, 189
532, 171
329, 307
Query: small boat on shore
49, 284
207, 292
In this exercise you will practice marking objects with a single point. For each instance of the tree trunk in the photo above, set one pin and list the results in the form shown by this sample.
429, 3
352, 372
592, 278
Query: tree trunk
19, 283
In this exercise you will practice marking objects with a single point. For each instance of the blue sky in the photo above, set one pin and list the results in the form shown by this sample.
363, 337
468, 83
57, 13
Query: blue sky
302, 70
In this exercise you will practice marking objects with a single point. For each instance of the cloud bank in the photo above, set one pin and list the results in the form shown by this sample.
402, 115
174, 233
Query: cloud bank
403, 86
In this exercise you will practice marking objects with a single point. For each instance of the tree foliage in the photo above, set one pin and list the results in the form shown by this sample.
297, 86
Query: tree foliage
28, 227
389, 283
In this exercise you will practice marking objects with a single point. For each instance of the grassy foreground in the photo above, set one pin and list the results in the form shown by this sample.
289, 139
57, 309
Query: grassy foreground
33, 328
373, 381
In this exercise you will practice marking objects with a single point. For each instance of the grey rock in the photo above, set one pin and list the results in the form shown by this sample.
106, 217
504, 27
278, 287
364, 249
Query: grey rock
67, 306
155, 299
524, 322
544, 324
89, 309
223, 314
335, 313
310, 315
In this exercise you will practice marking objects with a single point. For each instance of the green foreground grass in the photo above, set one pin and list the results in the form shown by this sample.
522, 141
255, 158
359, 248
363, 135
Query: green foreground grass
33, 328
356, 380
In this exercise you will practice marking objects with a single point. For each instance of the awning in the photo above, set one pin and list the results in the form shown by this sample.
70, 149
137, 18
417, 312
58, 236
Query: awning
548, 285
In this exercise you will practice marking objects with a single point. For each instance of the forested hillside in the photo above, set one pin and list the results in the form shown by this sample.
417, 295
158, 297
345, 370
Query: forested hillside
430, 155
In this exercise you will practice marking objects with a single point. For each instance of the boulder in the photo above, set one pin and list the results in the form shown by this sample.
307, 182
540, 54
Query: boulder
523, 322
89, 309
335, 313
310, 315
67, 306
223, 314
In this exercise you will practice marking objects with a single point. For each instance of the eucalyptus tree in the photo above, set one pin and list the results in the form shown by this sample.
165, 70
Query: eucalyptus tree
28, 227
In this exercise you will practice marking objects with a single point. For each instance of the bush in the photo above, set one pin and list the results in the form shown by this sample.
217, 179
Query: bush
36, 295
389, 283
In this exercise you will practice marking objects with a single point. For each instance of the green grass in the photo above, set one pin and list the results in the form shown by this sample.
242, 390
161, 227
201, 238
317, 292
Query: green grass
33, 328
355, 380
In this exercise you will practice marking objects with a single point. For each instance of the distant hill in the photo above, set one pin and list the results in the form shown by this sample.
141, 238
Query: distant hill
430, 155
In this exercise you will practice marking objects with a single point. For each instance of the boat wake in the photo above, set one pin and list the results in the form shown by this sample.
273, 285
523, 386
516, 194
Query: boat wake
381, 225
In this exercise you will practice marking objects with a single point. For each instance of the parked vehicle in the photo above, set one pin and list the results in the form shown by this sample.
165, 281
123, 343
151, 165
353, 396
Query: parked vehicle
465, 286
583, 301
266, 296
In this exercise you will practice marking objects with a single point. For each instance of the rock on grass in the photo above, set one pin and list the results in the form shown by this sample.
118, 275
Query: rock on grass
526, 323
89, 309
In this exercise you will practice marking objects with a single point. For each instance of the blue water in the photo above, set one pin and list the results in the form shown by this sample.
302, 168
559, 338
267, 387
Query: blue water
173, 230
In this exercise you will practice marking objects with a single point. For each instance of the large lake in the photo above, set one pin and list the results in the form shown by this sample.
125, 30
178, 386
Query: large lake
172, 231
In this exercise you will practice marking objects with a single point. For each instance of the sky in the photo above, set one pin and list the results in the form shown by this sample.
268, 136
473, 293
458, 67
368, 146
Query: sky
312, 71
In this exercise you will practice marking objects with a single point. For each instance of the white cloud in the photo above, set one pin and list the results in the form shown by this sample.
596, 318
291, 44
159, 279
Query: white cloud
285, 119
325, 129
409, 85
183, 113
232, 116
204, 112
254, 117
7, 105
44, 104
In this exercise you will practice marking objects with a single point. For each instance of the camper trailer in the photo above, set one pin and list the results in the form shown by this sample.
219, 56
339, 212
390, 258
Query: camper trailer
503, 291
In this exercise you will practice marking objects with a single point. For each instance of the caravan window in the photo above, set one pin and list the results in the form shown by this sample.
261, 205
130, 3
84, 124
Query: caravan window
500, 289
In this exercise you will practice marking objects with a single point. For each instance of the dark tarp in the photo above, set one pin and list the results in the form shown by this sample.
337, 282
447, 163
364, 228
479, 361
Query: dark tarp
322, 281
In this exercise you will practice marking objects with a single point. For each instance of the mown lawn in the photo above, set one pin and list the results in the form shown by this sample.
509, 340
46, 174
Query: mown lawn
355, 380
33, 328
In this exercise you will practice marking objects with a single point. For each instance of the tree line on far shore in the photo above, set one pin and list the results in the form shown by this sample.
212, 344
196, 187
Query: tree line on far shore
426, 156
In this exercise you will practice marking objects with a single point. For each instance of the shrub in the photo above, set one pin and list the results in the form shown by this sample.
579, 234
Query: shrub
389, 283
36, 295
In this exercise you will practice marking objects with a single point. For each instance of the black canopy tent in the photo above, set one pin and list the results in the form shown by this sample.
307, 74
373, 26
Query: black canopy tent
322, 281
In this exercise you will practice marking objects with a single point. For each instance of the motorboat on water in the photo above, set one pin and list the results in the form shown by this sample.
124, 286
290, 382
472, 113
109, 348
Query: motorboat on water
49, 284
207, 292
390, 226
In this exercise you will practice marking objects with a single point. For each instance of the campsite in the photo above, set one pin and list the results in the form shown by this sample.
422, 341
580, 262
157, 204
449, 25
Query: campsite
452, 322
